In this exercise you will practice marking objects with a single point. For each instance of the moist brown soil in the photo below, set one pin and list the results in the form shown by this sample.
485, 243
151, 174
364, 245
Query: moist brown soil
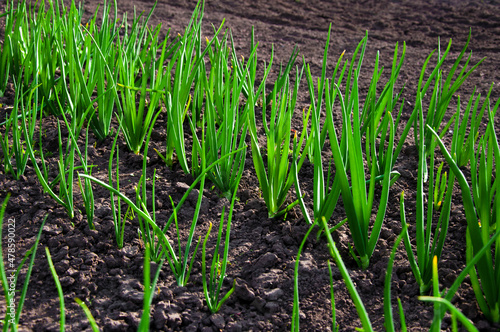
262, 250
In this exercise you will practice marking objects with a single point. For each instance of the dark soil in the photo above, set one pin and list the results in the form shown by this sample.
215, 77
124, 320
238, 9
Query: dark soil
262, 250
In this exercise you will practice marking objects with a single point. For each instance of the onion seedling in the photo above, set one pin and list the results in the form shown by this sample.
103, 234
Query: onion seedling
443, 92
464, 140
74, 128
116, 208
58, 50
5, 50
276, 181
86, 55
482, 214
136, 117
324, 197
103, 53
357, 200
66, 167
374, 123
348, 157
229, 135
149, 290
428, 244
441, 303
217, 273
18, 42
88, 314
62, 320
177, 98
17, 150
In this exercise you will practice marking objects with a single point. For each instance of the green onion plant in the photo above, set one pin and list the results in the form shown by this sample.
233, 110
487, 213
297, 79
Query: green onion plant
375, 123
136, 117
103, 55
441, 304
443, 91
430, 236
325, 196
5, 47
358, 201
348, 156
149, 290
188, 63
481, 201
464, 140
217, 272
441, 94
66, 167
226, 124
18, 41
52, 64
276, 181
17, 149
62, 320
87, 55
116, 206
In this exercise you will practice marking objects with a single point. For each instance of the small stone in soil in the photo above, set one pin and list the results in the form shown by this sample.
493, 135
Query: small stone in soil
192, 328
174, 319
266, 261
115, 325
267, 280
273, 295
259, 303
272, 307
67, 281
218, 321
234, 327
243, 292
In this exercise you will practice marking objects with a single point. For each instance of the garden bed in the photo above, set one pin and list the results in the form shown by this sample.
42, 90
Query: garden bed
262, 251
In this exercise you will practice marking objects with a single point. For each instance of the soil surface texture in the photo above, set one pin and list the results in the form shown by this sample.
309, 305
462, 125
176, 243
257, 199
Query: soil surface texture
262, 251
